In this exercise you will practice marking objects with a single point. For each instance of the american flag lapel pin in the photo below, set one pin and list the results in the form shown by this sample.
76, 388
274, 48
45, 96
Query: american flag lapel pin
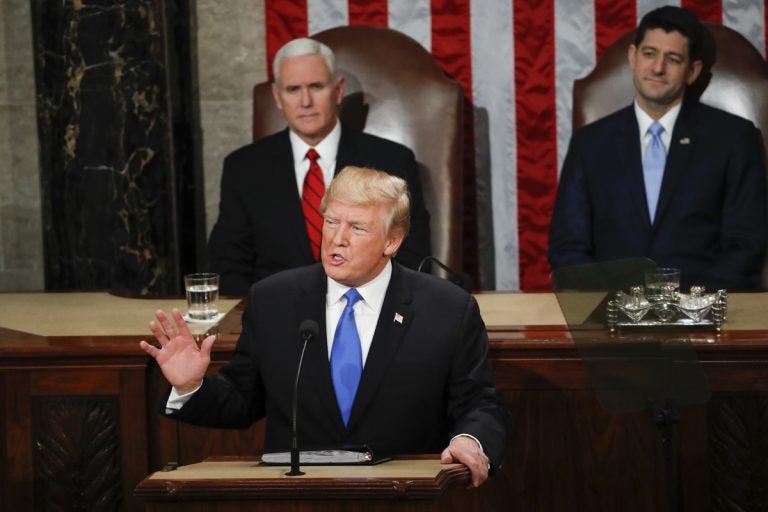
398, 318
685, 140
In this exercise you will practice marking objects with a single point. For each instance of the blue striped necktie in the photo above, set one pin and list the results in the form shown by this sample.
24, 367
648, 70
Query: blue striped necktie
346, 357
653, 167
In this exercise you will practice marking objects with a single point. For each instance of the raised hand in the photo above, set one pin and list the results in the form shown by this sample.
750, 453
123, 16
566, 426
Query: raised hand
182, 362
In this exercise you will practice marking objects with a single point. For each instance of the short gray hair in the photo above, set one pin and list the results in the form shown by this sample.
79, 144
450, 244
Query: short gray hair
363, 186
299, 48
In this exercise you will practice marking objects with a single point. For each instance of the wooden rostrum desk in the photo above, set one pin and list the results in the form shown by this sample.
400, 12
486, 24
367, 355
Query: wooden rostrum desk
80, 428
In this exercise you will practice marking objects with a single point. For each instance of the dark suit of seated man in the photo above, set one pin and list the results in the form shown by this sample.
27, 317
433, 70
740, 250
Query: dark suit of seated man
261, 228
417, 377
705, 212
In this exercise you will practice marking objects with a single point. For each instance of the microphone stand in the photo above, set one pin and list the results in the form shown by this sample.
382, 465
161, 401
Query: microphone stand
295, 471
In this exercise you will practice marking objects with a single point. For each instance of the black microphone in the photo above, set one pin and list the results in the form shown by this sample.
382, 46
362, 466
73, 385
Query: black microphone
308, 329
461, 279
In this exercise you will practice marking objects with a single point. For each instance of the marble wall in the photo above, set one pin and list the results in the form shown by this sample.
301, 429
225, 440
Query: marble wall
21, 242
111, 186
231, 59
100, 208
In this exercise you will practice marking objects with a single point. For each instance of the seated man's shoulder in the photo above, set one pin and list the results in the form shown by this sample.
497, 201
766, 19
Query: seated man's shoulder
379, 143
605, 125
275, 142
714, 115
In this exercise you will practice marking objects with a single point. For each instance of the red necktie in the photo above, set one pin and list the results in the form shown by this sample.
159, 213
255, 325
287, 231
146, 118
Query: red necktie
314, 188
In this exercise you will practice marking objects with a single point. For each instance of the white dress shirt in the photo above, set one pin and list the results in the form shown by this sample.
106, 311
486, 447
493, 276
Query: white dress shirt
327, 149
367, 310
644, 121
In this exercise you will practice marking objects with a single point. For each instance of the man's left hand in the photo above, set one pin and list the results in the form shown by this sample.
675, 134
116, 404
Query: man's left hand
467, 451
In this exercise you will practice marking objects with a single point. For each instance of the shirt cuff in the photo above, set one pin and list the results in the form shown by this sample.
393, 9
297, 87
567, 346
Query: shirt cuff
177, 401
471, 437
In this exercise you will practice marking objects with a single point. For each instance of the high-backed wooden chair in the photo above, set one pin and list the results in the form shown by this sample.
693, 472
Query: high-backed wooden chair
396, 90
737, 81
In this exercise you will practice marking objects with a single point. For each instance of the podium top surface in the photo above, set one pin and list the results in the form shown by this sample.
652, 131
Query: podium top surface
237, 469
245, 478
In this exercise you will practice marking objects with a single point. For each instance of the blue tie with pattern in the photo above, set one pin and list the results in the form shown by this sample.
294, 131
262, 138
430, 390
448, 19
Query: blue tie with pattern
653, 167
346, 357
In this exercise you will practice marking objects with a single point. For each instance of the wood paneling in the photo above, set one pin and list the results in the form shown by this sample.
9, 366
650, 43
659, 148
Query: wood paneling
566, 450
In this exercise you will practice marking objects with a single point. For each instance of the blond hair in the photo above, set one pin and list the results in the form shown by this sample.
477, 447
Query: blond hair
363, 186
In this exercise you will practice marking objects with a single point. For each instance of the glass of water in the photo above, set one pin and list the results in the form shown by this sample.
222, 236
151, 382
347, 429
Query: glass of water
662, 283
202, 294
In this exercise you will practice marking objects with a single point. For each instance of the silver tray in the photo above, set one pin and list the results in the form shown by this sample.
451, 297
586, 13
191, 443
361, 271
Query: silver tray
693, 311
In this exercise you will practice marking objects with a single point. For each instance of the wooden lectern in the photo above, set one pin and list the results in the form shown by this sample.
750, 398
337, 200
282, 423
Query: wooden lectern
241, 483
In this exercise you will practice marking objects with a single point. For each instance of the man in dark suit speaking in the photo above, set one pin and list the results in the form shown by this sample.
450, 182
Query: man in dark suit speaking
667, 178
400, 363
262, 226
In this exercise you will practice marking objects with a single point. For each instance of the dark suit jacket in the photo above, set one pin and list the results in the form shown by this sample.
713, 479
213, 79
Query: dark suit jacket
426, 377
260, 229
711, 217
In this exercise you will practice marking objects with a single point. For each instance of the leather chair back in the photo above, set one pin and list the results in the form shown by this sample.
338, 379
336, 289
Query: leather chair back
396, 90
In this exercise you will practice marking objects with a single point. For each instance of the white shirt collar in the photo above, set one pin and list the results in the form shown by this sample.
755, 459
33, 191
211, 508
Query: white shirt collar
644, 121
372, 292
326, 148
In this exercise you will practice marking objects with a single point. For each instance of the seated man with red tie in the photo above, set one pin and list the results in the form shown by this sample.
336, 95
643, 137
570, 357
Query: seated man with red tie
270, 189
399, 362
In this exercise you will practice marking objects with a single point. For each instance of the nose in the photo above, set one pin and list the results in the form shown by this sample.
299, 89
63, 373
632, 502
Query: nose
306, 97
340, 235
658, 65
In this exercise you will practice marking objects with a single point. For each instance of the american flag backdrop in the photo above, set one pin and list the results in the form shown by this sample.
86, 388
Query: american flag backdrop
517, 60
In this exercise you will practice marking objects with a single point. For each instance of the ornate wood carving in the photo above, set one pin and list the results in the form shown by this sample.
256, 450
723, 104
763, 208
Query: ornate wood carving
738, 442
76, 453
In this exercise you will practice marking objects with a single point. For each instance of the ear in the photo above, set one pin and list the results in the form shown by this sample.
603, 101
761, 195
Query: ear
394, 241
631, 55
695, 71
340, 86
276, 96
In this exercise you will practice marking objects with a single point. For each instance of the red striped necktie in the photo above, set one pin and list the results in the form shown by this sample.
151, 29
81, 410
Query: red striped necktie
314, 188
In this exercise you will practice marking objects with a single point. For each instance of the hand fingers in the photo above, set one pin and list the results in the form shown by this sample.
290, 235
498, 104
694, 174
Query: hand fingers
159, 333
479, 471
149, 349
446, 457
181, 325
478, 477
170, 331
207, 345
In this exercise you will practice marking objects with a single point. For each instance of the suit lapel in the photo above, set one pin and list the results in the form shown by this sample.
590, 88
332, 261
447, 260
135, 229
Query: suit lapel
628, 150
316, 368
395, 318
680, 150
347, 153
285, 185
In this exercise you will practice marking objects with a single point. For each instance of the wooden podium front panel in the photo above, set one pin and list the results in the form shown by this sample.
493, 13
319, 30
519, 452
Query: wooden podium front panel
229, 484
76, 438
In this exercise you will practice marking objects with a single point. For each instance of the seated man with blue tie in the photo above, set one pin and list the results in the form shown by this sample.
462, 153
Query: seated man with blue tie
666, 178
270, 188
400, 363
